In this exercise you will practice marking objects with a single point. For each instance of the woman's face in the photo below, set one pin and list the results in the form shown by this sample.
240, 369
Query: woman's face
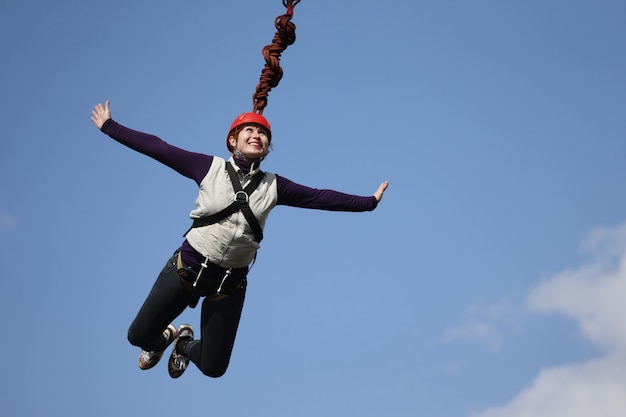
252, 141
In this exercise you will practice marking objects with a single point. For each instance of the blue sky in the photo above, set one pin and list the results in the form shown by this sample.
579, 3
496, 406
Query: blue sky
488, 283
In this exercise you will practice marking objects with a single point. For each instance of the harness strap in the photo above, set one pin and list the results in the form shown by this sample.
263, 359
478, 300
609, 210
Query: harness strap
242, 195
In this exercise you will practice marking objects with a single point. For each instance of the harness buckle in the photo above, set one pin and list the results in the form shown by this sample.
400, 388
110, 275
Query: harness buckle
241, 197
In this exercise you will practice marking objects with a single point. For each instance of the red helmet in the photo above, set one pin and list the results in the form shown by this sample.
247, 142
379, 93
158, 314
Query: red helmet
246, 118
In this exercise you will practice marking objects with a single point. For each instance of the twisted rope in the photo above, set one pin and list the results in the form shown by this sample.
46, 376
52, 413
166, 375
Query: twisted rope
272, 72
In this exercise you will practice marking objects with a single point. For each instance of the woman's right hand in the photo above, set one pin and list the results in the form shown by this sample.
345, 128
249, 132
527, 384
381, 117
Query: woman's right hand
101, 114
381, 190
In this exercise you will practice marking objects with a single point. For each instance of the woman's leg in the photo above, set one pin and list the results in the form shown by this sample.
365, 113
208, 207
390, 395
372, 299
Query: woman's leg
218, 326
166, 301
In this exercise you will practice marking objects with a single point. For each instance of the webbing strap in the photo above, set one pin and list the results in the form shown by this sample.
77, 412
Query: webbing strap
242, 196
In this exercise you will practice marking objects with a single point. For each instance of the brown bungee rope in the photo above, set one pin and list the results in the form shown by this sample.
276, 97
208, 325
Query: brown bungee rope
272, 72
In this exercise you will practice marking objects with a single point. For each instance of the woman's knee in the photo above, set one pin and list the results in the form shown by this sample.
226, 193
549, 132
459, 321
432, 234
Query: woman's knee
209, 365
134, 338
214, 371
141, 337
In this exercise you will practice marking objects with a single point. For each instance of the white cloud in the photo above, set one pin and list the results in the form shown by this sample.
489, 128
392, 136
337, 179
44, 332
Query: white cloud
593, 388
485, 325
594, 295
477, 331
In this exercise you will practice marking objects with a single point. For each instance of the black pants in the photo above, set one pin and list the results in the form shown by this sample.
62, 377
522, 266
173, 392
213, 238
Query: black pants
218, 322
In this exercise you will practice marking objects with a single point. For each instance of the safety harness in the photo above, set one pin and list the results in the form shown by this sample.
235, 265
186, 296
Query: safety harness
241, 203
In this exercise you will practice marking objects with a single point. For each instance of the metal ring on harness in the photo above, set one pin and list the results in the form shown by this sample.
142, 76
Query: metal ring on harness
242, 197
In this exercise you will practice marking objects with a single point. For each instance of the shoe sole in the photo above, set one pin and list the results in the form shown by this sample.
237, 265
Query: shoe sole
174, 333
175, 373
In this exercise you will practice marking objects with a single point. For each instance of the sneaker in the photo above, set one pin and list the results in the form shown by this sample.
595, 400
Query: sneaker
178, 363
147, 359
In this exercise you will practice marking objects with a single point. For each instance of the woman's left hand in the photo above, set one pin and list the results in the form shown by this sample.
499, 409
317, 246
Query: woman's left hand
101, 114
381, 190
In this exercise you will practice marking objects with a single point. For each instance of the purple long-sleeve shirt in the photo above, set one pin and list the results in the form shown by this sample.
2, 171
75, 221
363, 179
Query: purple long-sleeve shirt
196, 165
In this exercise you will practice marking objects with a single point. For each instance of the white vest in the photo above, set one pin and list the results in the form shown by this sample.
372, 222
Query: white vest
230, 242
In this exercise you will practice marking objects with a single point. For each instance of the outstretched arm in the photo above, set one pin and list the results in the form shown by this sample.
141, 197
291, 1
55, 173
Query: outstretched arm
297, 195
190, 164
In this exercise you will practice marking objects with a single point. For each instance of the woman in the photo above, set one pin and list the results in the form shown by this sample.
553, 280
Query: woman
212, 263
